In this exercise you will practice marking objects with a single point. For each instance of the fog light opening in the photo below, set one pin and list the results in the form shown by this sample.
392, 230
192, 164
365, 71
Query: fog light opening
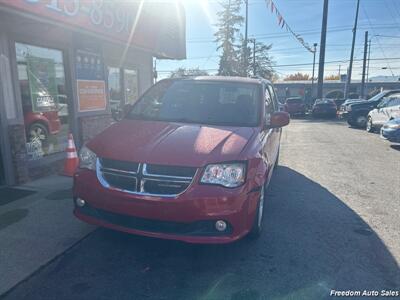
220, 225
80, 202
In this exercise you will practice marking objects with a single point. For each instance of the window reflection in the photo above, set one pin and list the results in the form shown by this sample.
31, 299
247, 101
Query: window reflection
44, 100
114, 88
131, 86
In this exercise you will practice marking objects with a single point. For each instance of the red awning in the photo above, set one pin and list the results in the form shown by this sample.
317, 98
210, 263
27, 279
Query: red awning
157, 27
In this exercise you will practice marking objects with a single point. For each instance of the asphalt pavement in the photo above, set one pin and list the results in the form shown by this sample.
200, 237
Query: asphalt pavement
331, 223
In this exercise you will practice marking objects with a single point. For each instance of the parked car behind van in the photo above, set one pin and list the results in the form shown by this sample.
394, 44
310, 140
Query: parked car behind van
387, 110
356, 112
190, 161
391, 130
295, 106
324, 108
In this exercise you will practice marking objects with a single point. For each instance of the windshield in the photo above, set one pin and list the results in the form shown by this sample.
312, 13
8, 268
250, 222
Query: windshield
201, 102
378, 96
323, 101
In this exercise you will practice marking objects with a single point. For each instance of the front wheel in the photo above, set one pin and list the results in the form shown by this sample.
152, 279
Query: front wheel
255, 231
370, 126
361, 121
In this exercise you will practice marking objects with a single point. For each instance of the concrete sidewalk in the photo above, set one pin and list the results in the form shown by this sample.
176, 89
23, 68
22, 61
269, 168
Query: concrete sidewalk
37, 228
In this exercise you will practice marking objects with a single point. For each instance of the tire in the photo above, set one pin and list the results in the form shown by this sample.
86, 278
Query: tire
361, 121
352, 124
256, 229
38, 130
370, 126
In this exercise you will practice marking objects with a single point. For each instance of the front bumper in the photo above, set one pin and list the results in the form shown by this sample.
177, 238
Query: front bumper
324, 112
190, 217
294, 111
392, 135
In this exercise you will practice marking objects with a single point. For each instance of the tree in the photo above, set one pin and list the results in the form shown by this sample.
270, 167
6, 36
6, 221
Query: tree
229, 22
184, 72
332, 77
263, 64
297, 76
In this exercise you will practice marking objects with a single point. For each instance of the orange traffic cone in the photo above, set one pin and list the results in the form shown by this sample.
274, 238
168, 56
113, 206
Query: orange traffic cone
72, 161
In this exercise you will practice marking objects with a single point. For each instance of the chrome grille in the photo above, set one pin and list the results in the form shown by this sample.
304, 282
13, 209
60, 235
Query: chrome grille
144, 179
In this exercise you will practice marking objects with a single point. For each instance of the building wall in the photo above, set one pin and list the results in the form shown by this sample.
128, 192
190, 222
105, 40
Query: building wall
83, 125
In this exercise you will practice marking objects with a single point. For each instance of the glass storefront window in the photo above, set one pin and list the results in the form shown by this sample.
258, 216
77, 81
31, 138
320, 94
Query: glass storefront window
131, 86
114, 89
44, 100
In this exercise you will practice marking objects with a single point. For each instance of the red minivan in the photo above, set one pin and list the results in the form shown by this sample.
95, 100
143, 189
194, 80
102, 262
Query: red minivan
190, 161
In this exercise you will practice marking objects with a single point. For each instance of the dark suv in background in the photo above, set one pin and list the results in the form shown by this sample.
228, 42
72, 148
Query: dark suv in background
356, 112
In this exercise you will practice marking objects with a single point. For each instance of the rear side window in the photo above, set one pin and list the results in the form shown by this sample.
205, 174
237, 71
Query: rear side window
394, 101
274, 97
269, 104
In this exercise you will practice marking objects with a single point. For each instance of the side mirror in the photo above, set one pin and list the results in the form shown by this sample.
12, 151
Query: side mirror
119, 114
279, 119
127, 108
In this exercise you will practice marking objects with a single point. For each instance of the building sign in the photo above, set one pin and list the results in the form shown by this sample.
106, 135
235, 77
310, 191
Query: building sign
42, 83
91, 85
158, 27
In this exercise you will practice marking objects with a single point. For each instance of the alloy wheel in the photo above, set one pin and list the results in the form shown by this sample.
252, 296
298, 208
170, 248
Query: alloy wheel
37, 132
361, 121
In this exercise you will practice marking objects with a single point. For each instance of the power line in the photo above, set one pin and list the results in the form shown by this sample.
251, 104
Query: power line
306, 32
306, 64
379, 44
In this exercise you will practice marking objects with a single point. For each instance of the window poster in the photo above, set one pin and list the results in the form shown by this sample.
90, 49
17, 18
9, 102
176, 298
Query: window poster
91, 85
42, 83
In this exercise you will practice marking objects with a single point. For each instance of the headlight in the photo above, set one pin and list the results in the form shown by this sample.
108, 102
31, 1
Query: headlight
87, 159
228, 175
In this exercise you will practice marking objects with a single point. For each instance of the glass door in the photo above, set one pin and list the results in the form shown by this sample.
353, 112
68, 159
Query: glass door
44, 99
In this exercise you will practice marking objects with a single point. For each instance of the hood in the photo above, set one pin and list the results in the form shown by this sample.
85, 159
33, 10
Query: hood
171, 143
393, 121
365, 103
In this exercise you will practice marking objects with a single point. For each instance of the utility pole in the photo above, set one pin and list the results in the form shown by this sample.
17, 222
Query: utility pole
322, 51
348, 81
313, 70
362, 93
339, 71
254, 57
369, 55
245, 55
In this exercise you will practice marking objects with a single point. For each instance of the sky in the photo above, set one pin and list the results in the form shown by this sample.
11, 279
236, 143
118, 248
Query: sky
380, 17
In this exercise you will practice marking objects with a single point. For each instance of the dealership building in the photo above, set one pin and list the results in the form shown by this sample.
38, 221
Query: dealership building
66, 66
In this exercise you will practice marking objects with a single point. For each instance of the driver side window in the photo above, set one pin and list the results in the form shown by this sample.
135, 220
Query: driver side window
269, 104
